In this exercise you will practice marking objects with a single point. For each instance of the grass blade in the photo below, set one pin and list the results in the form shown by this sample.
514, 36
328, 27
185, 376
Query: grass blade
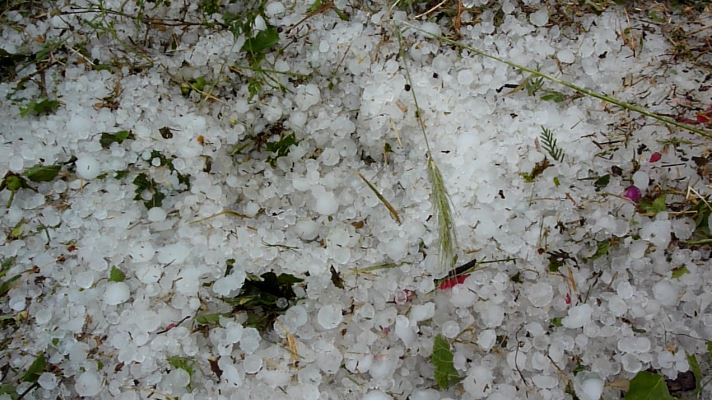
391, 210
447, 241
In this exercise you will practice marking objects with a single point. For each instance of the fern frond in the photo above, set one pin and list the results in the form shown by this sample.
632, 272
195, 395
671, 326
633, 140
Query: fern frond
548, 142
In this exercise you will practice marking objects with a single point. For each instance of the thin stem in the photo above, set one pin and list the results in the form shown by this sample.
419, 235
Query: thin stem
612, 100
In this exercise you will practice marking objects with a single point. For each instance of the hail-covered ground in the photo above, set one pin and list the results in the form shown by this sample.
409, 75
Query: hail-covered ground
189, 154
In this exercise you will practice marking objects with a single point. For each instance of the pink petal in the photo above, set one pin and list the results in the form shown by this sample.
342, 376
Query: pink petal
655, 157
632, 193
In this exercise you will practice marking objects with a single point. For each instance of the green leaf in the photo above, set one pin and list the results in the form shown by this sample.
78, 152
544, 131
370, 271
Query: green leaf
696, 370
709, 347
39, 107
42, 173
556, 322
263, 298
679, 272
116, 275
537, 170
602, 182
208, 319
183, 363
8, 389
13, 183
281, 147
552, 95
315, 6
654, 206
36, 368
648, 386
7, 285
143, 183
601, 249
117, 137
445, 373
263, 41
5, 265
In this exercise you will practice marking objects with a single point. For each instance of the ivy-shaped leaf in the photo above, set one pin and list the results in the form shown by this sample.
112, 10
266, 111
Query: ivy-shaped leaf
445, 373
648, 386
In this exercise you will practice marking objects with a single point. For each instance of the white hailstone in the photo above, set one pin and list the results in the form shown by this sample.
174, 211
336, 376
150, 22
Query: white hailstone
617, 305
545, 381
87, 167
231, 374
307, 229
376, 395
486, 339
492, 315
174, 253
47, 381
451, 329
274, 8
329, 316
657, 233
326, 202
577, 317
666, 293
631, 363
382, 367
625, 290
404, 331
641, 180
84, 279
227, 284
427, 394
566, 56
88, 384
539, 18
252, 364
588, 386
43, 315
422, 312
177, 378
156, 214
250, 340
260, 23
465, 77
233, 332
116, 293
142, 252
295, 317
632, 344
540, 294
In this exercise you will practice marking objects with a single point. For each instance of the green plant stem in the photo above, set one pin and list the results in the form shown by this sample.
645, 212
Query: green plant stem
609, 99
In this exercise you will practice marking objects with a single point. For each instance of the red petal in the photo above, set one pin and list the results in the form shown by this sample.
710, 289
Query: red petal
704, 118
567, 299
686, 120
454, 281
655, 157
